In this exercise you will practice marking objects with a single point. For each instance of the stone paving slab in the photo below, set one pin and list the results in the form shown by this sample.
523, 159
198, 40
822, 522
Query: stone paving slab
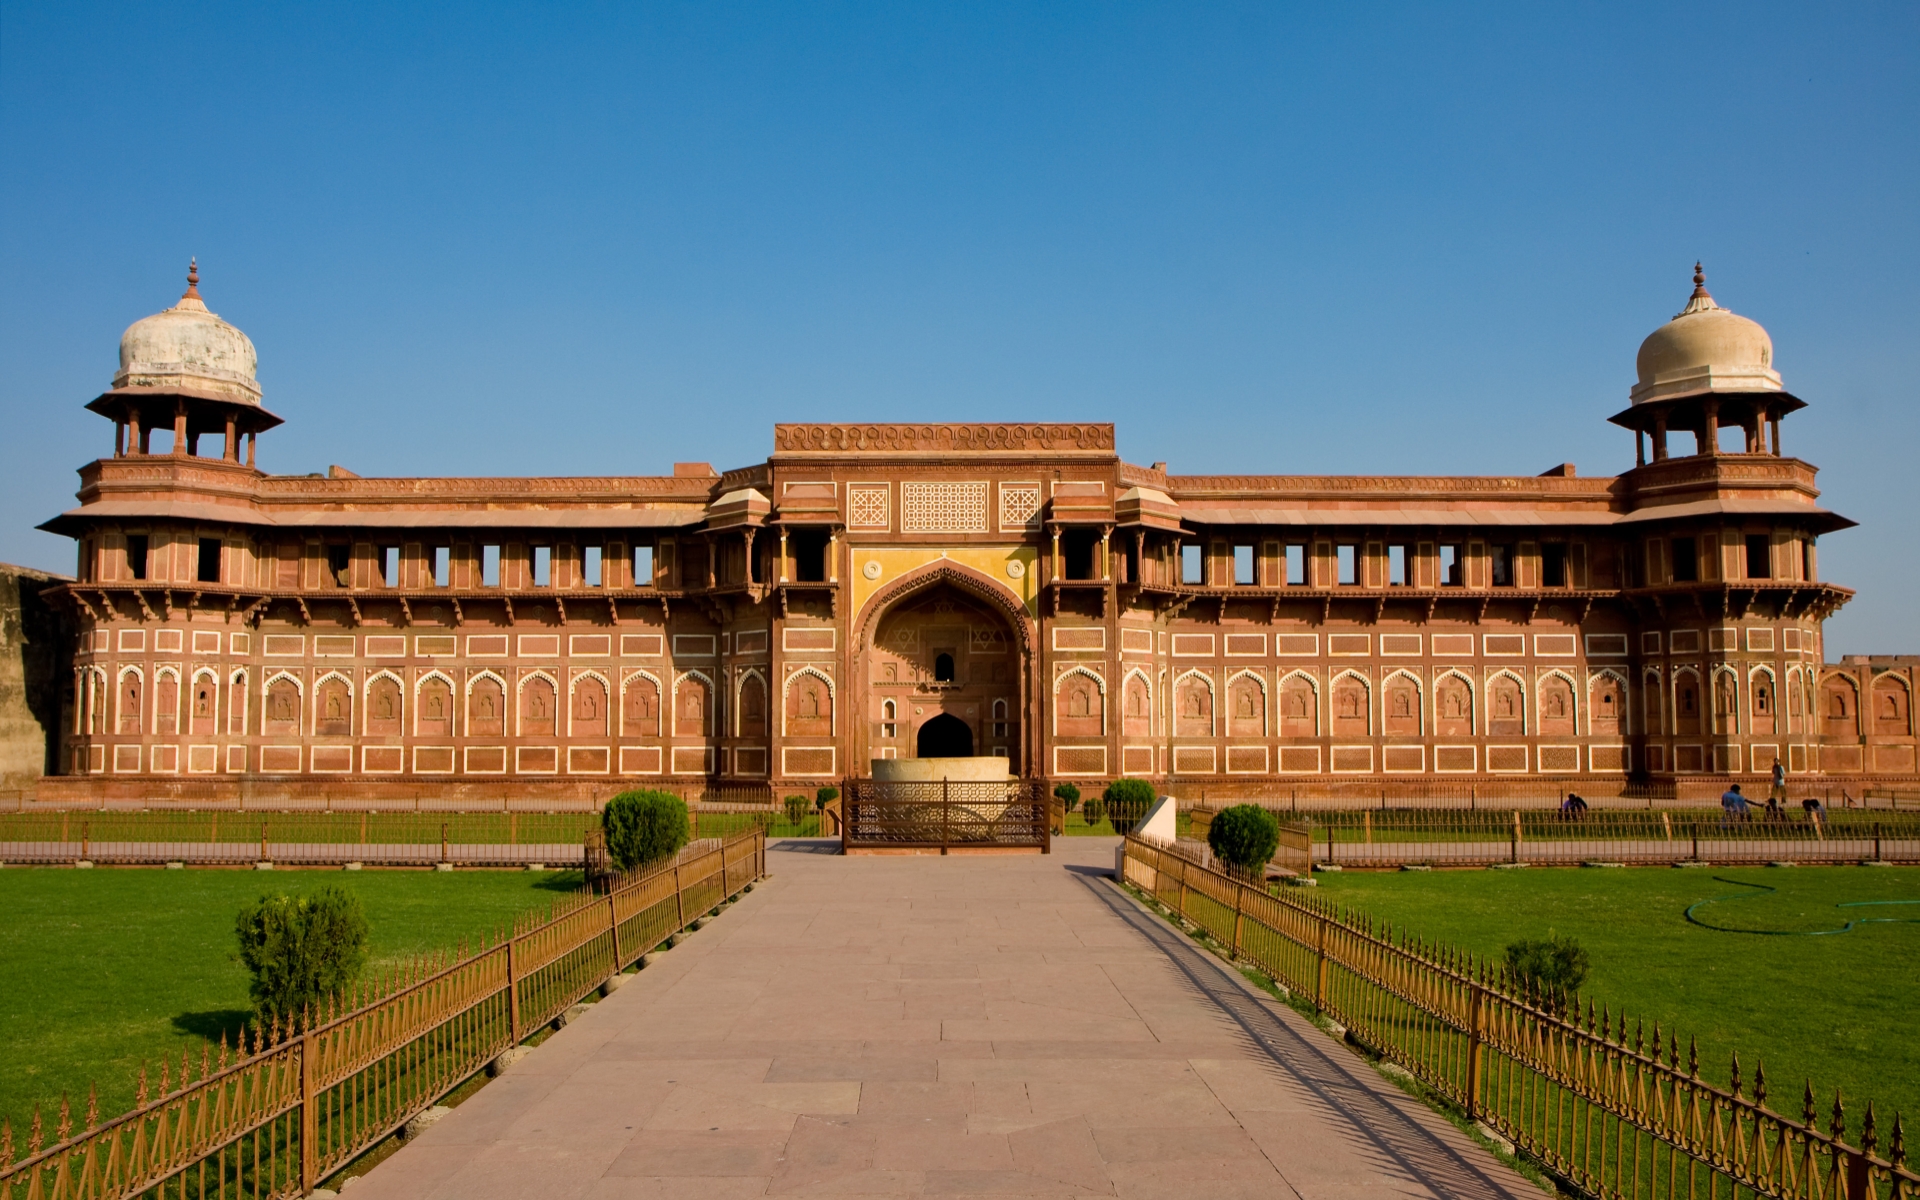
878, 1027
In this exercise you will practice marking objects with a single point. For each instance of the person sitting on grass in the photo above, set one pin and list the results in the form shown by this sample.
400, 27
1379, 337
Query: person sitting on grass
1814, 812
1573, 807
1733, 805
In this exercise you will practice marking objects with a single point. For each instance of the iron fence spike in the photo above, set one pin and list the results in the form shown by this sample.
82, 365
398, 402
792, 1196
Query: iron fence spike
1759, 1081
1733, 1075
6, 1141
34, 1134
1837, 1123
1868, 1137
1897, 1148
65, 1126
93, 1113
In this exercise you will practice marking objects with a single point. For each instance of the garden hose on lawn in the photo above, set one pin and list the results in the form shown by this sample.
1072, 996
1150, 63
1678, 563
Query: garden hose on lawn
1764, 890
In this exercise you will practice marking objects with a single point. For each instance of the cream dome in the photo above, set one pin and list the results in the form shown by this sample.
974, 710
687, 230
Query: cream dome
1705, 348
189, 349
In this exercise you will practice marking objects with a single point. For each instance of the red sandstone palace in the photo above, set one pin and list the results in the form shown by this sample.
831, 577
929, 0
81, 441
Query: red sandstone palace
876, 591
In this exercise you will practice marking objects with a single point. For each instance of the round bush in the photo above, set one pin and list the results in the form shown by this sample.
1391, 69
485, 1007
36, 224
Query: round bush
1127, 802
825, 796
1093, 811
644, 826
1555, 965
1244, 836
302, 949
1067, 794
797, 807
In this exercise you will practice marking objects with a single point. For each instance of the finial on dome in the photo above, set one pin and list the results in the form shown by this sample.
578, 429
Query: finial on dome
1701, 300
193, 279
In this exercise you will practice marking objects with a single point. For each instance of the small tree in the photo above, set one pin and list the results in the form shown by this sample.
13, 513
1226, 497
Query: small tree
1244, 836
301, 949
1093, 811
825, 796
644, 826
796, 808
1556, 966
1067, 794
1128, 800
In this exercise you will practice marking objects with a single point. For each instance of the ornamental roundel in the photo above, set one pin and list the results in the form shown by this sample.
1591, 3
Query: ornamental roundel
872, 569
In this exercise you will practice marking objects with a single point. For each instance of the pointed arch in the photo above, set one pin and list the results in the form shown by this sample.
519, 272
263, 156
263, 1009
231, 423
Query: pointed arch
1136, 703
1352, 702
1506, 703
1763, 700
1607, 703
237, 702
692, 704
383, 704
1726, 699
1653, 692
90, 714
1079, 703
750, 704
433, 704
166, 700
1796, 700
1892, 705
1453, 704
809, 707
1556, 703
587, 702
537, 705
1687, 700
333, 705
1299, 705
283, 698
1247, 704
203, 702
640, 693
1193, 704
1402, 707
978, 584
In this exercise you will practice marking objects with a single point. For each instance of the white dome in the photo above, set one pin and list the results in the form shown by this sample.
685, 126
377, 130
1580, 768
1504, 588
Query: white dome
1705, 348
189, 349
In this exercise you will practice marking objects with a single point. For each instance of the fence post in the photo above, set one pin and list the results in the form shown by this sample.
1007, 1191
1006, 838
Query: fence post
1183, 888
1876, 841
1696, 844
443, 841
263, 842
309, 1116
613, 924
1320, 969
679, 901
513, 993
946, 815
1476, 1037
86, 831
1513, 844
1239, 908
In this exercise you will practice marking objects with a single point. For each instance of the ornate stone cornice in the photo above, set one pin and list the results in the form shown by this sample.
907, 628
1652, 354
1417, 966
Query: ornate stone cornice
942, 439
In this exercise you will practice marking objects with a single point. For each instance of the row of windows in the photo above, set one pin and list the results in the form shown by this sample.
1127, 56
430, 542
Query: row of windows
1291, 565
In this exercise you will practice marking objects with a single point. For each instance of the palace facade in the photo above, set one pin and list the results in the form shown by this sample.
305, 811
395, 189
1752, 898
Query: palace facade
879, 591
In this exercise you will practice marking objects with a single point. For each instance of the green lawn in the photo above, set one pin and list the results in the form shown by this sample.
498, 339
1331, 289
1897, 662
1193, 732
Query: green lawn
1840, 1009
100, 970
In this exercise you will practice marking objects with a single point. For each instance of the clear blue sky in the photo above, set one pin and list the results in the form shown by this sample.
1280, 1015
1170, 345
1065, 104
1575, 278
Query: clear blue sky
579, 240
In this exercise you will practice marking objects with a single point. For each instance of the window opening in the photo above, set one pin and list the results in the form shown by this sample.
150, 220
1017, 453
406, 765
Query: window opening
1296, 565
590, 566
1806, 559
1502, 557
390, 566
809, 550
642, 565
489, 566
1759, 556
943, 668
340, 564
1348, 559
1243, 566
999, 718
888, 713
1450, 561
543, 566
1078, 549
1397, 566
1553, 564
442, 565
1192, 567
209, 561
1686, 561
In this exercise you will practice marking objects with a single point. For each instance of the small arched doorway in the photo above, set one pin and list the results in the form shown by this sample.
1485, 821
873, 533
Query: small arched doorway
944, 736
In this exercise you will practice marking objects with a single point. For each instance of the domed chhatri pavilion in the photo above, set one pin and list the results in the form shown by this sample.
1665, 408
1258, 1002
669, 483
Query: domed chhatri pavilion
935, 590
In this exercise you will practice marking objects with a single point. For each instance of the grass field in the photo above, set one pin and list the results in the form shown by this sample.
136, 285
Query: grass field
100, 970
1842, 1009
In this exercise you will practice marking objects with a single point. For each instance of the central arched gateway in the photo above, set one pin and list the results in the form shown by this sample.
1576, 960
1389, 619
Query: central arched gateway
944, 671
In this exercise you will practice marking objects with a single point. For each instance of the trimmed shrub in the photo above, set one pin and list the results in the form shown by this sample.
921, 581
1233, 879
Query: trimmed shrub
1067, 794
1244, 836
1555, 966
643, 826
797, 807
301, 949
1128, 800
825, 796
1093, 811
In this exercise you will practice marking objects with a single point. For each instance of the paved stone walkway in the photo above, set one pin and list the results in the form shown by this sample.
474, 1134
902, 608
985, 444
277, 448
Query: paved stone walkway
939, 1026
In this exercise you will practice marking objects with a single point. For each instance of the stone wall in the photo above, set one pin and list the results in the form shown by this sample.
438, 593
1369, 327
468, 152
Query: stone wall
36, 651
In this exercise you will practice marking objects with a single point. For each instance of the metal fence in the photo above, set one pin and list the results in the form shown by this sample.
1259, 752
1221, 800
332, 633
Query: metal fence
287, 1107
1617, 1113
945, 815
1400, 837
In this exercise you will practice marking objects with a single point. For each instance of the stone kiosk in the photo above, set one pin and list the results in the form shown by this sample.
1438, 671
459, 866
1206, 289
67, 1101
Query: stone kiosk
874, 594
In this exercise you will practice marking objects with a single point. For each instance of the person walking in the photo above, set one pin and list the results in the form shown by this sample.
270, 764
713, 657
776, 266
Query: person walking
1778, 794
